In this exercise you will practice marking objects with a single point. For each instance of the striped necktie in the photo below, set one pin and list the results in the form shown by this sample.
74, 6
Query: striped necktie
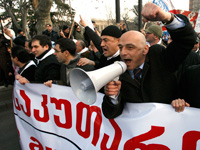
137, 72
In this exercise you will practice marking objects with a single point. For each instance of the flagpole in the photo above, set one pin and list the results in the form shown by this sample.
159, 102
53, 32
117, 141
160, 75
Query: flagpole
71, 29
139, 14
117, 5
144, 25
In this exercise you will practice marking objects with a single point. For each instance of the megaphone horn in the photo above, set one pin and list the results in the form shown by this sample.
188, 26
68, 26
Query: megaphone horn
85, 85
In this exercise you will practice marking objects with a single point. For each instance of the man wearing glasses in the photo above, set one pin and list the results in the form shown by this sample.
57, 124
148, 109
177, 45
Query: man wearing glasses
65, 52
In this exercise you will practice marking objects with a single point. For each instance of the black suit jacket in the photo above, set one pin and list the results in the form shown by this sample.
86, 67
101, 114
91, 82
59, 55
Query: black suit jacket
158, 79
192, 59
29, 73
47, 69
189, 86
104, 62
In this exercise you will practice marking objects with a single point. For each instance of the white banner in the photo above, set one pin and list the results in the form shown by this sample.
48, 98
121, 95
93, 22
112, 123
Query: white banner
53, 119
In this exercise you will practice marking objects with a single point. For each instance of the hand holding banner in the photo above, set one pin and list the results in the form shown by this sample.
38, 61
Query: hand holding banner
52, 118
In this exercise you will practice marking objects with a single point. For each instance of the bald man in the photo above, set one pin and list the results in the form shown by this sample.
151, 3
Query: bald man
150, 71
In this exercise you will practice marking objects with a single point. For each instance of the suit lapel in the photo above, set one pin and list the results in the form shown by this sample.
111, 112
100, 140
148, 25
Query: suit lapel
127, 78
144, 71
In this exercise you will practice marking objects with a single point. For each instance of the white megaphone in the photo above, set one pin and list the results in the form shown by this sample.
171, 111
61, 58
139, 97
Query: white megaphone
85, 85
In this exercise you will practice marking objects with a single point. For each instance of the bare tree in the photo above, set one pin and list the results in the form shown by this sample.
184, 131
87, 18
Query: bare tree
64, 14
109, 15
8, 6
64, 10
17, 10
42, 12
136, 12
24, 6
126, 17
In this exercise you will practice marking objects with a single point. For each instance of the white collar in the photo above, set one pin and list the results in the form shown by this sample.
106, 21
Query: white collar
160, 41
28, 65
46, 55
113, 56
83, 50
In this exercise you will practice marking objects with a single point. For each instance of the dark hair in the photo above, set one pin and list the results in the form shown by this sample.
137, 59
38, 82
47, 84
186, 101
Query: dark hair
48, 24
21, 53
65, 27
19, 30
43, 39
67, 44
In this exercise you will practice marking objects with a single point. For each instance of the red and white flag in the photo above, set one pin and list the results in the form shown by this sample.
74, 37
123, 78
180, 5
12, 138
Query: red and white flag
168, 6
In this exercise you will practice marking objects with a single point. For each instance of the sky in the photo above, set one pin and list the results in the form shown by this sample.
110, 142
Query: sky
100, 9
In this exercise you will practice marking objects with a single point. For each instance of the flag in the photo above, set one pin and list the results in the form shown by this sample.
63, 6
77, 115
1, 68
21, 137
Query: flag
168, 6
165, 5
192, 16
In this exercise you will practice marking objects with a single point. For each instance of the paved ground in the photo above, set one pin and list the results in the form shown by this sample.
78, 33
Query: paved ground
8, 132
6, 98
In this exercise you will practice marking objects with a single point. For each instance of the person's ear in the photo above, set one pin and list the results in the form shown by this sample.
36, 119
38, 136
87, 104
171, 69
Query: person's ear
66, 53
46, 46
15, 58
146, 50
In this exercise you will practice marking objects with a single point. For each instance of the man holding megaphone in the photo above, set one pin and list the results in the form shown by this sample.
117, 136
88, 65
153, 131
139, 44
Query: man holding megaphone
150, 71
106, 44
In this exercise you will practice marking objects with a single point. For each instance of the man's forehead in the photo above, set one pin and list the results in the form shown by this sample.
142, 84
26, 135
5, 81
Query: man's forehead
129, 41
35, 42
127, 44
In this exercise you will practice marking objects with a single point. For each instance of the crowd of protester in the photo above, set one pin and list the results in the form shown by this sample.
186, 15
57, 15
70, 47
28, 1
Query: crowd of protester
163, 71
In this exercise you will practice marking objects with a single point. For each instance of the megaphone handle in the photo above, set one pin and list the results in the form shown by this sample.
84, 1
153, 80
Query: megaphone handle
113, 96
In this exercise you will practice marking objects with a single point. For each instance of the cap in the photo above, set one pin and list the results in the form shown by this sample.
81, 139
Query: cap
112, 30
155, 29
